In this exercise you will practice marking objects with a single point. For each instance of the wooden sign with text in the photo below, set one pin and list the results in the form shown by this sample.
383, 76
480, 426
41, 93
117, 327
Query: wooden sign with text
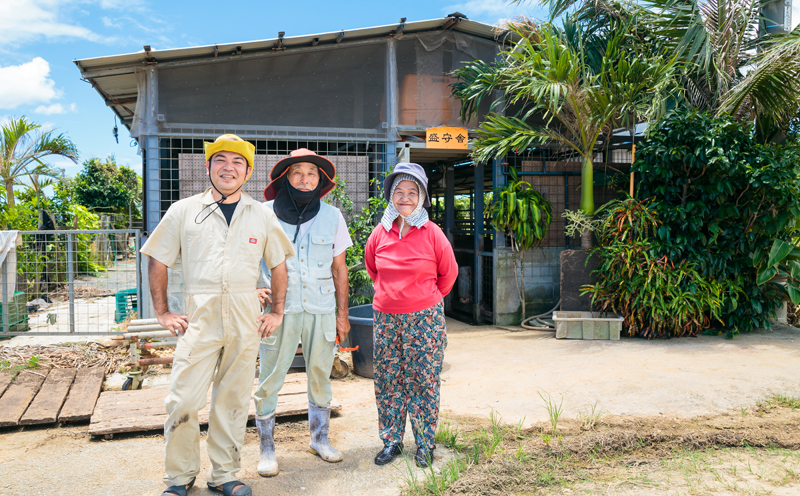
454, 138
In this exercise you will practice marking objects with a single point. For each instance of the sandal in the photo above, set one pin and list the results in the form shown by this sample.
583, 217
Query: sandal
227, 489
179, 490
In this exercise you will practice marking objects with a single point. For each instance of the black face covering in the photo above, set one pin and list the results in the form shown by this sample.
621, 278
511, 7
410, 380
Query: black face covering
295, 207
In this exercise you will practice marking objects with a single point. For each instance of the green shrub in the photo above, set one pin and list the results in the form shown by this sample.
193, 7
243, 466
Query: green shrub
721, 199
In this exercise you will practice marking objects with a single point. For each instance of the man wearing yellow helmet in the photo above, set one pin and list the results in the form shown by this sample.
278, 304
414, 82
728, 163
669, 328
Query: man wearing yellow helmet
220, 237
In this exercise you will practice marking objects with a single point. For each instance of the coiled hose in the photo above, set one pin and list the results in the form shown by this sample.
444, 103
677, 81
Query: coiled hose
544, 326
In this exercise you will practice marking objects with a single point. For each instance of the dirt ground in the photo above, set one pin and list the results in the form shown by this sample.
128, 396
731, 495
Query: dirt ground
678, 394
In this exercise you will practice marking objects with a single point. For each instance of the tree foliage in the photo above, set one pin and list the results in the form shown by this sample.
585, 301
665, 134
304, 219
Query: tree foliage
107, 187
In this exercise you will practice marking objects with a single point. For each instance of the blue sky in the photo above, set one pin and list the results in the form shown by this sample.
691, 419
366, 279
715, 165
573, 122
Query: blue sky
39, 39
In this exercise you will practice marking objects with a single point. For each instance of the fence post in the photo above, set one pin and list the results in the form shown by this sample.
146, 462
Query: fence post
139, 300
4, 267
71, 281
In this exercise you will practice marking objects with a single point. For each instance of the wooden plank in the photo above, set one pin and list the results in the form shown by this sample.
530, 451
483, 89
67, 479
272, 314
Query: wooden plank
19, 395
45, 407
6, 378
83, 395
143, 410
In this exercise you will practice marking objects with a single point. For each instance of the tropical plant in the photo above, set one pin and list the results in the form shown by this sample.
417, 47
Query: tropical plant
571, 96
524, 215
656, 296
23, 149
729, 62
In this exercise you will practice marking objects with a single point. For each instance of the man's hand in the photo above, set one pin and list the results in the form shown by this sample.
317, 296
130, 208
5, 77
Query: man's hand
173, 322
342, 325
264, 296
269, 322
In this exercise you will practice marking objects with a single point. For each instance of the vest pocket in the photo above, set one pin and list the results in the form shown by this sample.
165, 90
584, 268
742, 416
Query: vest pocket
327, 292
321, 250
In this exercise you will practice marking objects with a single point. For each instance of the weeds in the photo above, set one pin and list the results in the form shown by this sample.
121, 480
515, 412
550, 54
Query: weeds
553, 411
447, 434
31, 363
590, 417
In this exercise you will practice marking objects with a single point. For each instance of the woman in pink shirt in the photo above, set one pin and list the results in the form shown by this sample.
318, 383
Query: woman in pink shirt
413, 267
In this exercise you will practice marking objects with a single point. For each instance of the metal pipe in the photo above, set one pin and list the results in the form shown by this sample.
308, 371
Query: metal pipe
136, 322
150, 346
147, 335
145, 328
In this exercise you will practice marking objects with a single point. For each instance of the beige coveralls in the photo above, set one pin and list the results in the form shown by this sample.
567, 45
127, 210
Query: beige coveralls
220, 267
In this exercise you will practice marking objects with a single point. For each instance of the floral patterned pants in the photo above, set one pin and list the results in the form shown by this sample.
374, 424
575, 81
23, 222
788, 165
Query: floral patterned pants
408, 356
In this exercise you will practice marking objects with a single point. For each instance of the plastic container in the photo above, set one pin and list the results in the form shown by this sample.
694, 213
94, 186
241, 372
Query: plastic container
127, 304
362, 335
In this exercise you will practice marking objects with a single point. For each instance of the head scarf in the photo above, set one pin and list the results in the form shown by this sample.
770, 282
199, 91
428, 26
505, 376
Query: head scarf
417, 218
295, 207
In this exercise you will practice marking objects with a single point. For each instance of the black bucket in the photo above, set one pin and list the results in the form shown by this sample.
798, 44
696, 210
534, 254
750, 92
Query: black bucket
362, 335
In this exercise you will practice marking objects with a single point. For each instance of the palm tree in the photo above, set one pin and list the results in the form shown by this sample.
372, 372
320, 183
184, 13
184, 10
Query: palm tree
771, 90
24, 147
583, 86
730, 63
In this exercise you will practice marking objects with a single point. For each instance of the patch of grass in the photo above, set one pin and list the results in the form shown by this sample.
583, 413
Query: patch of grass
447, 434
432, 482
554, 410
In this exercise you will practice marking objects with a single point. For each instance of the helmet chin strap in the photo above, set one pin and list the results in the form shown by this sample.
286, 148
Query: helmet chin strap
221, 194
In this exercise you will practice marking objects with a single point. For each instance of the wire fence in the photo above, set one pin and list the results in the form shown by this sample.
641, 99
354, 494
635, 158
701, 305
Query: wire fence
81, 282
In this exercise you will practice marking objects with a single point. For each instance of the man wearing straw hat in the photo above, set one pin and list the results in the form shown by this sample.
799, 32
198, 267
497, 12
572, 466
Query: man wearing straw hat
317, 286
221, 236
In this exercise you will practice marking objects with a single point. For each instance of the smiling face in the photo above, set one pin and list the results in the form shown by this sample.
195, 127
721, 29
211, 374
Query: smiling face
228, 170
304, 176
405, 197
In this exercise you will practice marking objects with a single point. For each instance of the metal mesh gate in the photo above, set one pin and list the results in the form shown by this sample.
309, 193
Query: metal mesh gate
70, 282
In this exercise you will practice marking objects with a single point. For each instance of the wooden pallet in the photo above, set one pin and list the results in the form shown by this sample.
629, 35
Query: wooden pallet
48, 396
143, 410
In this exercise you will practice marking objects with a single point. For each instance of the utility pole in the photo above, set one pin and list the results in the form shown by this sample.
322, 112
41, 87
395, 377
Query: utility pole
778, 17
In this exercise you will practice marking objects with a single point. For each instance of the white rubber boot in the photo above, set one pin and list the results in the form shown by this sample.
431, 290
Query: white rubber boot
319, 421
267, 461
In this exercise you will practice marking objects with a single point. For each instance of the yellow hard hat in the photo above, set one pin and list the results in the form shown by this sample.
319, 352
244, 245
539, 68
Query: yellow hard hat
235, 144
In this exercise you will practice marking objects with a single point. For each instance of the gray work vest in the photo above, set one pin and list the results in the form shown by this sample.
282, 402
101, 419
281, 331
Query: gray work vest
310, 287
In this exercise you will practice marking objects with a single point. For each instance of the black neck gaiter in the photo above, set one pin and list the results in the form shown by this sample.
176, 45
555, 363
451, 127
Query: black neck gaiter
295, 207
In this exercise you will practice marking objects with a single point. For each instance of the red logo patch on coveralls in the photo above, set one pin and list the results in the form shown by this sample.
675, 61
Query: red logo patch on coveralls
253, 240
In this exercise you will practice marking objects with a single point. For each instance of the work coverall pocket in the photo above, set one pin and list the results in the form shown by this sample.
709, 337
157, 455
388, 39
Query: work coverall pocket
200, 250
330, 336
251, 251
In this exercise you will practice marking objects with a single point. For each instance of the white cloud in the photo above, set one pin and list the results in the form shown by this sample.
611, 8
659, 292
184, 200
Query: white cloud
55, 108
492, 11
23, 21
795, 13
110, 23
26, 84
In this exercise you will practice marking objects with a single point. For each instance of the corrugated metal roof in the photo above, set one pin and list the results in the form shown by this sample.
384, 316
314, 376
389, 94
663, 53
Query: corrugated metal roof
113, 76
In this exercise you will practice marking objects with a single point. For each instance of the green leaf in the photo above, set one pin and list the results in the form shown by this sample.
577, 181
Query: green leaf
780, 249
794, 294
766, 275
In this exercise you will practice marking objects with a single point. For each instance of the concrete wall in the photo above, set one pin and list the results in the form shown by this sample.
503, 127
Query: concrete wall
542, 272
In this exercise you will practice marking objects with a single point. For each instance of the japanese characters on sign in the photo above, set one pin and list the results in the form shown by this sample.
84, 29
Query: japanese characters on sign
446, 137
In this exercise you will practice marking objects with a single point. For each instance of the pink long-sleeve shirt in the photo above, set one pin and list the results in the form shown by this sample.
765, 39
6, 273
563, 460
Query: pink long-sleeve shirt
410, 274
